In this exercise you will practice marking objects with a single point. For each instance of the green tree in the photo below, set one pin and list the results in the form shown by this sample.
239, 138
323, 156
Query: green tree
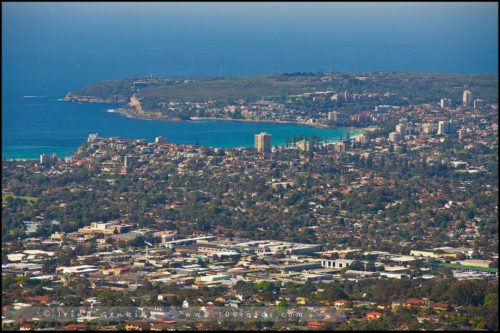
357, 266
49, 266
468, 292
491, 299
334, 292
265, 286
370, 266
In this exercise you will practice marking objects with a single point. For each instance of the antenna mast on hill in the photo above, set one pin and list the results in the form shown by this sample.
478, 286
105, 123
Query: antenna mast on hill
220, 72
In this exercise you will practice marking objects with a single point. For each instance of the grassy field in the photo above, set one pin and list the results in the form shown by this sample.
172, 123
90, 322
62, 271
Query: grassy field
30, 199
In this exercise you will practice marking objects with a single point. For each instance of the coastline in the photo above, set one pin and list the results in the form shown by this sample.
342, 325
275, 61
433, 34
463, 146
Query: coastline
127, 113
322, 126
132, 113
62, 156
269, 121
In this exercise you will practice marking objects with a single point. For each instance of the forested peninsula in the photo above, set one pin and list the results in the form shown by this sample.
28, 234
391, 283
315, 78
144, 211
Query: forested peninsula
300, 96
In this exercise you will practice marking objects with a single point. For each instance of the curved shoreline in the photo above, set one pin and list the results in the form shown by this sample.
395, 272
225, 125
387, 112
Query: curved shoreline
129, 112
124, 111
322, 126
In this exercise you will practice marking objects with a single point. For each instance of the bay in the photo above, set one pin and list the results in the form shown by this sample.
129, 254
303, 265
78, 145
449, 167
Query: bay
50, 49
45, 125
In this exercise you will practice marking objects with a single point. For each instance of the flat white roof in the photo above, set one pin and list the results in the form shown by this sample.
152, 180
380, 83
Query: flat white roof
403, 258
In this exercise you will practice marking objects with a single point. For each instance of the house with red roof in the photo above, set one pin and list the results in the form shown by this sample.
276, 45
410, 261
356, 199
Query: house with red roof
404, 327
27, 327
441, 307
314, 324
162, 326
413, 303
341, 303
39, 299
74, 327
373, 315
139, 325
22, 284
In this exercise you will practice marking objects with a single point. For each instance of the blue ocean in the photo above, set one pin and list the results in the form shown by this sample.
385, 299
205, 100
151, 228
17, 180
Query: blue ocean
50, 49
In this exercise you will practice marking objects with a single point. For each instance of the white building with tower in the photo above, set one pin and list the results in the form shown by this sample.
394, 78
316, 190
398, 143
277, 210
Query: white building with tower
467, 98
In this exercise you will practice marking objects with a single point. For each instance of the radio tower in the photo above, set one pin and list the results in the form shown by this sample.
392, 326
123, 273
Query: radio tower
220, 72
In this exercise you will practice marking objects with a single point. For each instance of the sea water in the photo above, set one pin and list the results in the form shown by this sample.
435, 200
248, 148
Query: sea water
49, 126
50, 49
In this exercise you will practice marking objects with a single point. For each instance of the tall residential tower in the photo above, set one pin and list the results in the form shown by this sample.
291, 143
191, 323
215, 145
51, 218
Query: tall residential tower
263, 142
467, 99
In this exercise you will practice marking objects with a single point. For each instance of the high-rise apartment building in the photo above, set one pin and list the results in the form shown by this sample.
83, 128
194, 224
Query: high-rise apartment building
479, 103
160, 139
447, 127
443, 127
304, 145
361, 138
46, 158
130, 161
467, 98
337, 116
394, 136
461, 133
445, 103
428, 128
340, 147
346, 96
362, 117
401, 129
263, 142
453, 126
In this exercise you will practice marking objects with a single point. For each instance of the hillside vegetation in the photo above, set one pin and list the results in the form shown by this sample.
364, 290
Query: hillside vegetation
412, 87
